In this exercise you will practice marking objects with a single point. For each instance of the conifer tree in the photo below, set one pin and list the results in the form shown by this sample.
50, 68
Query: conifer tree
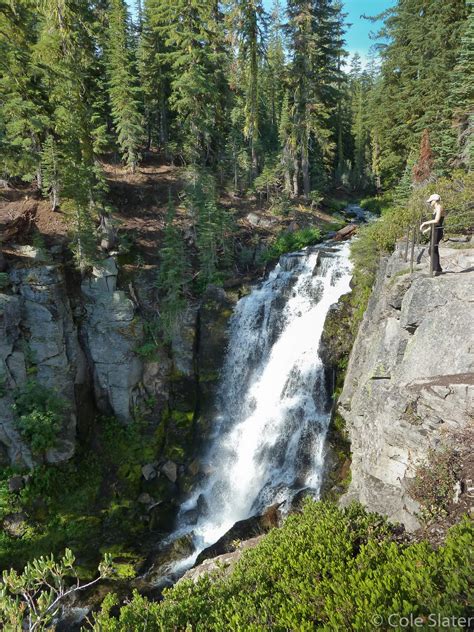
50, 165
412, 93
247, 23
211, 223
25, 116
193, 51
124, 93
154, 71
461, 96
173, 277
315, 35
66, 49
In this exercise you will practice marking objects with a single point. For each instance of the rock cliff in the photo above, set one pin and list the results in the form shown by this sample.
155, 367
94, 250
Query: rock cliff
38, 340
81, 339
410, 381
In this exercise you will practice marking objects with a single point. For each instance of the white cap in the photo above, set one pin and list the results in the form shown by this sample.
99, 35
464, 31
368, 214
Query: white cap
434, 198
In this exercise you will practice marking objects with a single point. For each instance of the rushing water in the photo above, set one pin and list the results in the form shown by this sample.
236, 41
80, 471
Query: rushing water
274, 409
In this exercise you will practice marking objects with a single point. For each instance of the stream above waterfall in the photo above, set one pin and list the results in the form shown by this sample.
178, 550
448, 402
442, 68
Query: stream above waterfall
273, 403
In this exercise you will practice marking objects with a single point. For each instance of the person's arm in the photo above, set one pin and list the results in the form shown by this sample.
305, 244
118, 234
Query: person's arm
425, 227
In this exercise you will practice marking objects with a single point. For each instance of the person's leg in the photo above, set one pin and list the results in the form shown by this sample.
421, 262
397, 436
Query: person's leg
438, 236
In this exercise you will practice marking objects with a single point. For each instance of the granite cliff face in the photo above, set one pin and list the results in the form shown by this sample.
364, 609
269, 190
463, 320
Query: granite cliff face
80, 339
38, 340
410, 381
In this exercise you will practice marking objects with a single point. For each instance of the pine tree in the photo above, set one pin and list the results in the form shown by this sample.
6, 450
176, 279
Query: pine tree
25, 115
174, 274
50, 164
423, 168
124, 93
211, 224
273, 81
288, 143
190, 30
66, 49
247, 20
461, 97
154, 70
360, 85
412, 92
315, 35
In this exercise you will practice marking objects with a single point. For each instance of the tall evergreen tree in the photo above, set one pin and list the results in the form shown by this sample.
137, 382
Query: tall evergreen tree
123, 89
195, 57
25, 113
173, 277
155, 72
273, 79
315, 37
461, 97
412, 93
66, 49
247, 24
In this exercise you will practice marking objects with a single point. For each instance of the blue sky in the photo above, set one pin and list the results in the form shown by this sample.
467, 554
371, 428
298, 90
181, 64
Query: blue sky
357, 36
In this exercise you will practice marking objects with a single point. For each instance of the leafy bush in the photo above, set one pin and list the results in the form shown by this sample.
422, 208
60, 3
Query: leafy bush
377, 204
433, 485
30, 600
40, 414
328, 568
290, 242
335, 206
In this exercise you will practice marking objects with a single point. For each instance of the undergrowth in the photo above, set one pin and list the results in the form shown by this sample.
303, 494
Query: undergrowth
327, 568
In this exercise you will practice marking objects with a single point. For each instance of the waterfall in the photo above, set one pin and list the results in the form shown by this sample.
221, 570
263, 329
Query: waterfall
273, 407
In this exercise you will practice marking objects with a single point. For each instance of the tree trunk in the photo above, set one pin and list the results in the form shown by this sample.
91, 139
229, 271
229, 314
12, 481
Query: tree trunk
39, 178
305, 170
296, 187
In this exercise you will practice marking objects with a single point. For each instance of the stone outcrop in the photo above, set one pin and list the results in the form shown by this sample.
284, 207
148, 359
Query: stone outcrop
38, 340
41, 340
410, 380
112, 334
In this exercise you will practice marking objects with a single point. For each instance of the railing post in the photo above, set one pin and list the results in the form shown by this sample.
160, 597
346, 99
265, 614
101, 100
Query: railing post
414, 239
406, 243
432, 246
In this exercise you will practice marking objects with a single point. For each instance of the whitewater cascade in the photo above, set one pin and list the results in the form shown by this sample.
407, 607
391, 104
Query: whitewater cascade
273, 405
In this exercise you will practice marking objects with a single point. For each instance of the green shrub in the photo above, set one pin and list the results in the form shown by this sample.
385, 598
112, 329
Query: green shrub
40, 413
377, 204
335, 206
291, 242
328, 568
433, 485
32, 599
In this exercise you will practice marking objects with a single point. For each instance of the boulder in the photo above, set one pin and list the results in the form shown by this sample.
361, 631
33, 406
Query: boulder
145, 499
149, 471
259, 221
223, 563
16, 484
170, 470
15, 524
242, 530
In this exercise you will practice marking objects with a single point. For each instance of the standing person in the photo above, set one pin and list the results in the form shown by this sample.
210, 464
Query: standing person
438, 221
